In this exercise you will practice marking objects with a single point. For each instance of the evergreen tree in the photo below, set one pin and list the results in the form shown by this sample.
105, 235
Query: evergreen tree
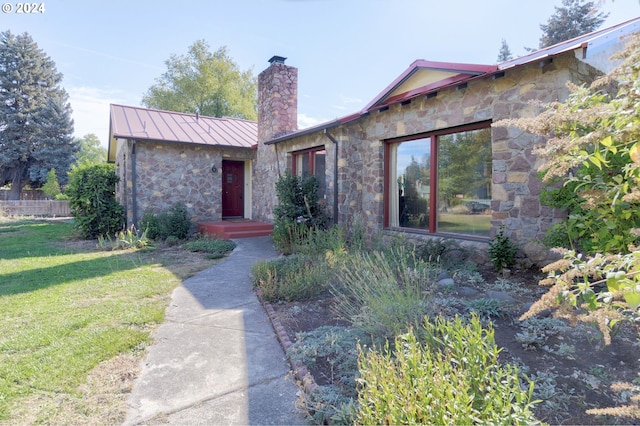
505, 53
35, 116
204, 82
573, 19
51, 188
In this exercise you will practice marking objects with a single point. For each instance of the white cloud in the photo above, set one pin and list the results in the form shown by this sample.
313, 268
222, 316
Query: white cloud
91, 109
305, 121
349, 100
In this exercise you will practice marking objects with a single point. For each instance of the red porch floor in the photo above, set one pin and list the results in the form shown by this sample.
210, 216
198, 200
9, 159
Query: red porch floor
235, 228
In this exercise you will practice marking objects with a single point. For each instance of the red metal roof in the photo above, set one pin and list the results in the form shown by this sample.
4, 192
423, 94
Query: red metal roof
461, 72
590, 42
139, 123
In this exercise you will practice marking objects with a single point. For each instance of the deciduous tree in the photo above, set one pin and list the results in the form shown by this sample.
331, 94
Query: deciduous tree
204, 82
35, 116
90, 151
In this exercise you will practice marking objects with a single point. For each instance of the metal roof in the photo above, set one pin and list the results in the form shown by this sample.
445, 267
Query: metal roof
457, 74
591, 43
139, 123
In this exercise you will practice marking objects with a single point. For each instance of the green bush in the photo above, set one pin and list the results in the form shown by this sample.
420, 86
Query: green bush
288, 235
453, 378
93, 201
502, 251
383, 293
209, 245
151, 225
294, 277
175, 222
51, 188
297, 211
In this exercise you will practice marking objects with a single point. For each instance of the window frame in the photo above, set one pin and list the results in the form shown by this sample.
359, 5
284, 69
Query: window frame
432, 136
322, 183
311, 162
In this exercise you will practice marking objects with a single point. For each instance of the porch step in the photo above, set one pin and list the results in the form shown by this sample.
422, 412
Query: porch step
228, 230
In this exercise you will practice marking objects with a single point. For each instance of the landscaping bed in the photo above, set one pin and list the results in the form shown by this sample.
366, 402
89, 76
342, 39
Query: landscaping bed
572, 369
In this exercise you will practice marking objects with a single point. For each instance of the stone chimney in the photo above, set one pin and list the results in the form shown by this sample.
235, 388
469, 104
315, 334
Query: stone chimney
277, 100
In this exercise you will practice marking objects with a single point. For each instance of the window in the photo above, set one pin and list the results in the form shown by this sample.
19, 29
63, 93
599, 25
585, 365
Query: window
312, 162
441, 182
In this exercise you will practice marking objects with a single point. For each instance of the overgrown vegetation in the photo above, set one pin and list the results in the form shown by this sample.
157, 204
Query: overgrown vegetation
173, 223
298, 211
130, 238
382, 292
454, 377
595, 156
93, 202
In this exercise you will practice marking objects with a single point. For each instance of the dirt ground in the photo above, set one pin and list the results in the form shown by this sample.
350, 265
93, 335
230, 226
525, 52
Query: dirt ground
573, 370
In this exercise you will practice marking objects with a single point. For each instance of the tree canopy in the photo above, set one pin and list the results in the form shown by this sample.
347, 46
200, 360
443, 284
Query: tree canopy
204, 82
90, 151
505, 53
35, 116
574, 18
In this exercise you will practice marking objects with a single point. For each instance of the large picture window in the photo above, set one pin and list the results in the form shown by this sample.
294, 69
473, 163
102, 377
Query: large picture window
441, 182
312, 162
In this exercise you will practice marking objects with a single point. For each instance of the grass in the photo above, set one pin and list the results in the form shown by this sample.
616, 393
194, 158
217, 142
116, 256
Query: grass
465, 224
68, 308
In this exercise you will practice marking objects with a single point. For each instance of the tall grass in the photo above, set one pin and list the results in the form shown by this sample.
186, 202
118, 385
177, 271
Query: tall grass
67, 307
384, 293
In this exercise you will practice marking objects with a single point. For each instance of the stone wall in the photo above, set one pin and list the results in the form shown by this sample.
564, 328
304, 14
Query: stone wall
515, 187
277, 101
170, 173
277, 115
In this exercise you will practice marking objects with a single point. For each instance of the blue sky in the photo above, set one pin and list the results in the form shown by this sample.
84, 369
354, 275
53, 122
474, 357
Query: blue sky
346, 51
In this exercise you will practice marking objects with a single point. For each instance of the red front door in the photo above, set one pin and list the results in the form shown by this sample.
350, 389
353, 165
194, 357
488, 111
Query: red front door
232, 188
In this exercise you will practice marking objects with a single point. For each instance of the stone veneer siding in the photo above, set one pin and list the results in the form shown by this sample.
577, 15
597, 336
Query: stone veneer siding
277, 115
515, 187
170, 173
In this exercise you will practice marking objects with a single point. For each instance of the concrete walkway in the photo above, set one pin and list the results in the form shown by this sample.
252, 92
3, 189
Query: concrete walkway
216, 359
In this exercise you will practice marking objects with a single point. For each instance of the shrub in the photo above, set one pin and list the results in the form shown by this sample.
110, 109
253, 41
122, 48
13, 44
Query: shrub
209, 245
445, 251
502, 251
151, 225
297, 211
291, 278
486, 308
381, 293
51, 188
175, 222
93, 201
288, 234
453, 378
332, 403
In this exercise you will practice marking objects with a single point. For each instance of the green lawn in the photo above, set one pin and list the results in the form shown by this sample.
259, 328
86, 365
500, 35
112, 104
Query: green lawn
66, 307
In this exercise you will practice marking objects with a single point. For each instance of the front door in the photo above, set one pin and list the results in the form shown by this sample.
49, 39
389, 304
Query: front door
232, 188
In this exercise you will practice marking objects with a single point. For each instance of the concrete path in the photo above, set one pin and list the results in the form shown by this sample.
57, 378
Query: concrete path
216, 359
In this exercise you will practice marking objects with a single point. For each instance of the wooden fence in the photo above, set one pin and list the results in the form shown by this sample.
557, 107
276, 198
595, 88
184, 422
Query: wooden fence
46, 208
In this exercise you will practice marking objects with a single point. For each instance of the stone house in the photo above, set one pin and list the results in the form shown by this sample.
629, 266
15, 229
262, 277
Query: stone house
164, 158
422, 158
